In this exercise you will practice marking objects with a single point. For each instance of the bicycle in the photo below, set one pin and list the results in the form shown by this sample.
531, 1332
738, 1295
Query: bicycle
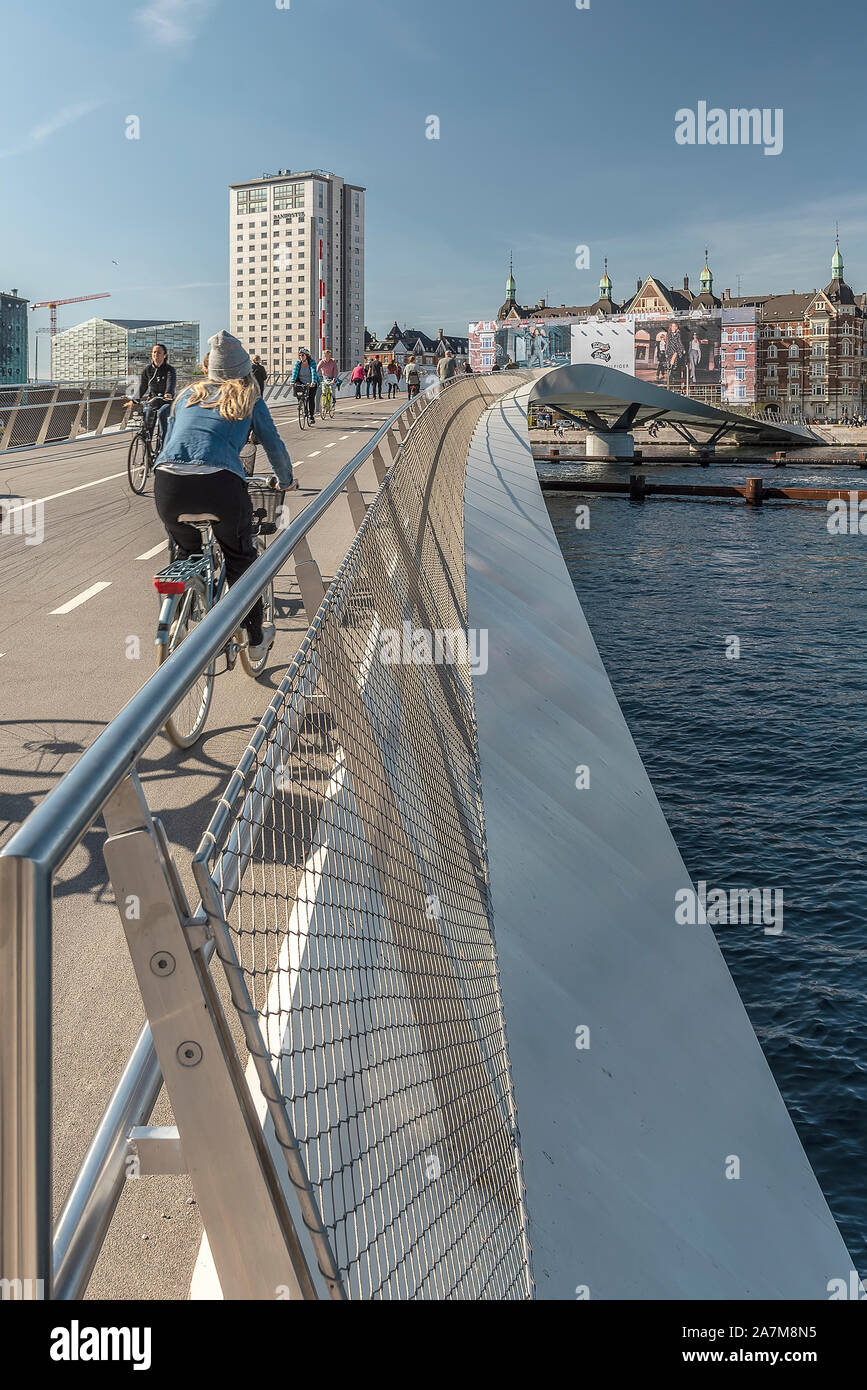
328, 403
303, 394
189, 589
142, 453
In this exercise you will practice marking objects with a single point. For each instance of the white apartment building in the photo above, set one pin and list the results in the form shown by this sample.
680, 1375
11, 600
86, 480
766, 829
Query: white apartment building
276, 303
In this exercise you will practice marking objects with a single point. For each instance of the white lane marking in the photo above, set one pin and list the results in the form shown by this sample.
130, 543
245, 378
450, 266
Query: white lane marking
82, 598
346, 436
54, 496
149, 554
315, 454
331, 445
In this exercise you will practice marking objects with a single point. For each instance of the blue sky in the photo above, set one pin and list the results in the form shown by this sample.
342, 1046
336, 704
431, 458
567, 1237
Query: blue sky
556, 130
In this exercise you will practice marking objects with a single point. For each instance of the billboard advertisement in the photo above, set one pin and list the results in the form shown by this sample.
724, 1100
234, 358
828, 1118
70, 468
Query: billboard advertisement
607, 341
680, 351
528, 343
739, 344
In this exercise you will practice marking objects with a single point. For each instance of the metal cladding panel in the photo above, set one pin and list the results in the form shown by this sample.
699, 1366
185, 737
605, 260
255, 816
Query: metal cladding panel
625, 1144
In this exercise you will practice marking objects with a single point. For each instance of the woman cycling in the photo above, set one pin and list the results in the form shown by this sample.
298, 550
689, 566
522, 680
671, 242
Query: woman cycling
305, 379
200, 469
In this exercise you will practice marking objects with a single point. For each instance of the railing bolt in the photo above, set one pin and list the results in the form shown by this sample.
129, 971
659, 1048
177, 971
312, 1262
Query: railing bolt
163, 963
189, 1054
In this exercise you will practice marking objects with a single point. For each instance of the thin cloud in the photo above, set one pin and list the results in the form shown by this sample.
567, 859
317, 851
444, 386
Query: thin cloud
59, 121
172, 22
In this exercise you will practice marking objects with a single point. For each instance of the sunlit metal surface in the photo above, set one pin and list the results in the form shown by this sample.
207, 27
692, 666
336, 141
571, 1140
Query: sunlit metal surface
630, 1144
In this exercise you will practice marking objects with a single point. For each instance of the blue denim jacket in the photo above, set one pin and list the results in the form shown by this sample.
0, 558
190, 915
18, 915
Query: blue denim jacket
314, 374
196, 435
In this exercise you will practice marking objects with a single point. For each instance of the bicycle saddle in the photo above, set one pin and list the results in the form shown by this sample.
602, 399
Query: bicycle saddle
198, 518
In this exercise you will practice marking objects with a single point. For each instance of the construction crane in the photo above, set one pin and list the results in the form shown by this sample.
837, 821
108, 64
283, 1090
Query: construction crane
52, 304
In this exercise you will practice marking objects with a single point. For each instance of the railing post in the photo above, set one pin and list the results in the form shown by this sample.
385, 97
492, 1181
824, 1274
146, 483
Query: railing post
76, 424
249, 1227
105, 414
380, 466
10, 423
25, 1077
357, 504
46, 423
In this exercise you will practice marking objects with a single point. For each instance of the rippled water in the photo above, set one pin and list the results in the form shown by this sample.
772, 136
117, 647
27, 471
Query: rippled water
760, 763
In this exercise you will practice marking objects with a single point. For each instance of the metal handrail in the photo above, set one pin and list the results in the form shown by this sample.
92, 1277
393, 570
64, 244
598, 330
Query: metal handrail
57, 825
105, 396
27, 865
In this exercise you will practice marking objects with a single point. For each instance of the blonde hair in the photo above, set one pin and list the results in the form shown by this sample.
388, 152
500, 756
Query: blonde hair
234, 399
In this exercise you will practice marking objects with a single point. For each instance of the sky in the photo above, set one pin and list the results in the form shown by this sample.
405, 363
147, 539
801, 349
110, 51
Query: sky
556, 130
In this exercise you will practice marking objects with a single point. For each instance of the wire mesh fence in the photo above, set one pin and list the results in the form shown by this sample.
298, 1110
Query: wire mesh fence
54, 412
345, 874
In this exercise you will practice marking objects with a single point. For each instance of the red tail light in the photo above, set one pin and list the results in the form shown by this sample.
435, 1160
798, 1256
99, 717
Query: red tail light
169, 586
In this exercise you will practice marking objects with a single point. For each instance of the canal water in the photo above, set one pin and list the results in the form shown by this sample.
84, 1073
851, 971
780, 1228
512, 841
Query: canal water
759, 761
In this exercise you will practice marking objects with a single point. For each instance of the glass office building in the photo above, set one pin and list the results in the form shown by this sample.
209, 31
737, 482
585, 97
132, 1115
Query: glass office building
122, 347
13, 339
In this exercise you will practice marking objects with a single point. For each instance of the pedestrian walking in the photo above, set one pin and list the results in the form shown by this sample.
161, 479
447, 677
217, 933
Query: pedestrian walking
391, 378
374, 378
358, 377
260, 374
413, 378
447, 367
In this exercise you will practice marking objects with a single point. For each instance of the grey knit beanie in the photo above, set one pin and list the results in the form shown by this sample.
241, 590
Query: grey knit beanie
229, 360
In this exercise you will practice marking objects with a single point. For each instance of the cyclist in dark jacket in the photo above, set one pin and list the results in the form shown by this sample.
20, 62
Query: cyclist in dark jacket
156, 389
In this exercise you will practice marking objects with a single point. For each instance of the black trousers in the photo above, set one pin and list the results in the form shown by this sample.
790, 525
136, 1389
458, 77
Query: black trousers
225, 495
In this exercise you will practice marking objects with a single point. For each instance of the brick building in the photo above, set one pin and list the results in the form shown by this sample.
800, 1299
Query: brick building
810, 355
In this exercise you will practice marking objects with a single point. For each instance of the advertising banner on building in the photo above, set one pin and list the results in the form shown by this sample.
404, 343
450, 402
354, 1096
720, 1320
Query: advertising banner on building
527, 343
680, 351
739, 345
610, 342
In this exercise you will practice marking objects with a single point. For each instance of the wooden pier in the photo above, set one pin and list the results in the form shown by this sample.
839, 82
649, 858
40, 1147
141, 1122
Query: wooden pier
753, 491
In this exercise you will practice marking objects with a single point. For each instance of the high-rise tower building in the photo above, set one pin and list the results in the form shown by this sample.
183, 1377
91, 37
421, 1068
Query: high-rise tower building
13, 339
296, 266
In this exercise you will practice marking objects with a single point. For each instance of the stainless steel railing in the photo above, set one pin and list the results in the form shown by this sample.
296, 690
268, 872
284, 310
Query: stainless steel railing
29, 1248
33, 414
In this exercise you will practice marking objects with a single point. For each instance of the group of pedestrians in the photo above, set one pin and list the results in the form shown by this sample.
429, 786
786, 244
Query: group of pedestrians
374, 374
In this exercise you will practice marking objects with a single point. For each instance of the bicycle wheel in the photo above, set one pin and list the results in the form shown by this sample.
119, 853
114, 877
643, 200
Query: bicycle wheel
302, 413
138, 463
332, 409
255, 668
187, 720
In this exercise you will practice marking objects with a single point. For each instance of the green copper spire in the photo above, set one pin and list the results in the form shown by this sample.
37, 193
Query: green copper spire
837, 262
605, 283
706, 277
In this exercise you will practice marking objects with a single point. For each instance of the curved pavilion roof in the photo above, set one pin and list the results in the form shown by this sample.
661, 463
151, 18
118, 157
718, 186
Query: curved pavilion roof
608, 399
